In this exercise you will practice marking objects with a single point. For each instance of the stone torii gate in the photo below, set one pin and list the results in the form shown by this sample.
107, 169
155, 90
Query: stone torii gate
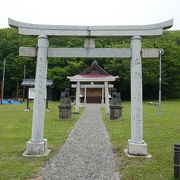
136, 145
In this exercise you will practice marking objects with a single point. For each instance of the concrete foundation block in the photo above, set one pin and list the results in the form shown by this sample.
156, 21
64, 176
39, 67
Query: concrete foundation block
137, 149
36, 148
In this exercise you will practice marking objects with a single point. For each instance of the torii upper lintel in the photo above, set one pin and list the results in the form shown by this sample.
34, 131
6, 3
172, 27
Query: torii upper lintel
91, 31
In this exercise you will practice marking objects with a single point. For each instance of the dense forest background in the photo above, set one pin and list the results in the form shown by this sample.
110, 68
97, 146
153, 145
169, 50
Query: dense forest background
60, 68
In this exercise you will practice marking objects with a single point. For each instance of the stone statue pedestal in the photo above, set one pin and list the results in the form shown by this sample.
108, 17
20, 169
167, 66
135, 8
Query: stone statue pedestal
65, 111
115, 112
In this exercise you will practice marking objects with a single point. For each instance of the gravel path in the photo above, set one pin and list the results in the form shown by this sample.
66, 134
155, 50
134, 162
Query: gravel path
87, 153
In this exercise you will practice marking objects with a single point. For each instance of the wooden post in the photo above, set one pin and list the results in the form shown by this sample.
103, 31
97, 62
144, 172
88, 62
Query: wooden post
27, 104
47, 108
17, 91
1, 92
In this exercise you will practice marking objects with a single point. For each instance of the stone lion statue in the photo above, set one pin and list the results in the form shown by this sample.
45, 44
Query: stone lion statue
65, 99
116, 97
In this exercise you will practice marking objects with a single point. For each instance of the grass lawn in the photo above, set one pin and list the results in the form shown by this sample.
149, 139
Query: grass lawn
161, 132
15, 131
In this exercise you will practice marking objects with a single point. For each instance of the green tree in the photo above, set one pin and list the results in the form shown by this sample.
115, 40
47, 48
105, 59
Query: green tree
60, 68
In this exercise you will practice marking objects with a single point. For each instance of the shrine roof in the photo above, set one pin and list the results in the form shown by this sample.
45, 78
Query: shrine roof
94, 69
93, 73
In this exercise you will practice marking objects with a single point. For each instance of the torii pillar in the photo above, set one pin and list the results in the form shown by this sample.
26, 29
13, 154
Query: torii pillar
136, 145
38, 145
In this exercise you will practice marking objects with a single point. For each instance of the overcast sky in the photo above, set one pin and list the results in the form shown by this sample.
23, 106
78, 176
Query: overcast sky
90, 12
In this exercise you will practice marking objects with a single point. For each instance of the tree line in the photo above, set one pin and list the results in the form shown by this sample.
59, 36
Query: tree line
60, 68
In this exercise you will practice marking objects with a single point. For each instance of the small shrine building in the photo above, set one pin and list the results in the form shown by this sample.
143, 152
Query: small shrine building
93, 86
